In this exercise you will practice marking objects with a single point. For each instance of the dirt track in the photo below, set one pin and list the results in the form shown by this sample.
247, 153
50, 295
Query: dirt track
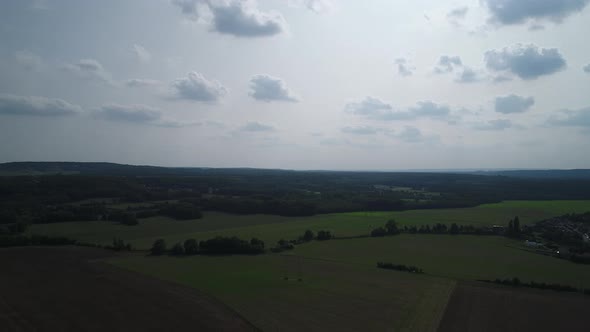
475, 307
63, 289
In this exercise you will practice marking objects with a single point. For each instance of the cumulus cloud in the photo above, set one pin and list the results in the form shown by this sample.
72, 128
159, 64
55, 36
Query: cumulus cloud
88, 69
142, 54
28, 60
256, 127
447, 64
411, 135
198, 88
375, 109
36, 106
587, 68
268, 88
128, 113
468, 75
137, 114
520, 11
190, 8
525, 61
457, 14
513, 104
574, 118
244, 19
365, 130
239, 18
141, 82
370, 107
499, 124
319, 6
403, 68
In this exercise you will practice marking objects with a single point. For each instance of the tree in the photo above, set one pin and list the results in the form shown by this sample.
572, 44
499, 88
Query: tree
308, 236
516, 226
177, 249
454, 229
378, 232
391, 227
191, 247
324, 235
159, 247
257, 243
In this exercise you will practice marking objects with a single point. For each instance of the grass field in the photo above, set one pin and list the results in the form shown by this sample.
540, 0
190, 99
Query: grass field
331, 295
272, 228
460, 257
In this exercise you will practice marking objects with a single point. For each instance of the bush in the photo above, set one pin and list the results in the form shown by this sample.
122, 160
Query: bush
399, 267
308, 236
378, 232
325, 235
391, 227
158, 248
177, 249
191, 247
231, 245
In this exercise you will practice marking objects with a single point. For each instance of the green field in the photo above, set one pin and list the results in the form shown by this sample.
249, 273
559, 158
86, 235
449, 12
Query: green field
272, 228
340, 287
463, 257
330, 295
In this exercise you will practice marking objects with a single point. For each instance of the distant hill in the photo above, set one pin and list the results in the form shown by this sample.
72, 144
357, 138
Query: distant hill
103, 168
542, 174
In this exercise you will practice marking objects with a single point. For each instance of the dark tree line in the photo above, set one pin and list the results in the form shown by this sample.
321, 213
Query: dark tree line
399, 267
216, 246
515, 282
390, 228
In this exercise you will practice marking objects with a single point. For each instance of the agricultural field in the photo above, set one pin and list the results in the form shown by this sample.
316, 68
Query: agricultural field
316, 296
272, 228
462, 257
475, 307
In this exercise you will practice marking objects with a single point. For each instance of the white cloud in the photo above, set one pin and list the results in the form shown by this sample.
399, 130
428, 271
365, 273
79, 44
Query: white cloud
268, 88
375, 109
520, 11
513, 104
88, 69
137, 114
256, 127
198, 88
525, 61
28, 60
141, 82
36, 106
143, 55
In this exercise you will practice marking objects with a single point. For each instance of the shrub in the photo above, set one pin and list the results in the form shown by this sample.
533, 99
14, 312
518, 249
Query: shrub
159, 247
191, 247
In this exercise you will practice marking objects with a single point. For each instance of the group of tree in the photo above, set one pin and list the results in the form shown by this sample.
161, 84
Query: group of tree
216, 246
516, 282
513, 229
283, 245
399, 267
34, 240
324, 235
119, 245
390, 228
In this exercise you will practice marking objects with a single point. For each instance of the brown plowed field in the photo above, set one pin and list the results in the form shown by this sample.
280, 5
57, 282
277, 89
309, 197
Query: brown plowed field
481, 307
67, 289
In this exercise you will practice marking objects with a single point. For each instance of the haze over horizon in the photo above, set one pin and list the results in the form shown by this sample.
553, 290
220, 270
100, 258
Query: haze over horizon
298, 84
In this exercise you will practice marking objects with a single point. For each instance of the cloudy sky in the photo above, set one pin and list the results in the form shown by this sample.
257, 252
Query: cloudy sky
297, 84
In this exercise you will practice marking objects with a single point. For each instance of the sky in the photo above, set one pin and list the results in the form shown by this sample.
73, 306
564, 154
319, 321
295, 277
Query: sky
297, 84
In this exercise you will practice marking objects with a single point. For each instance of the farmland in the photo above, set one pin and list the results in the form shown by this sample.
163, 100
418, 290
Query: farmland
330, 295
463, 257
272, 228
